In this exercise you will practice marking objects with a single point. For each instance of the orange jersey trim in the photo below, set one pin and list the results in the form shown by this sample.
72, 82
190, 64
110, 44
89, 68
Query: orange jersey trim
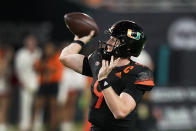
148, 83
119, 74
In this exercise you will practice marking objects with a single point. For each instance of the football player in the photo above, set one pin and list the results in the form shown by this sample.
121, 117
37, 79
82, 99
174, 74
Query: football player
118, 82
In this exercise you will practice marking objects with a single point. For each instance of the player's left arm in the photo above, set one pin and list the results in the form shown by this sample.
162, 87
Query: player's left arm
121, 105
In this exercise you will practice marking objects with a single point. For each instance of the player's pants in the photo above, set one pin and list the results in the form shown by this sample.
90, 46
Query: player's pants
26, 102
97, 128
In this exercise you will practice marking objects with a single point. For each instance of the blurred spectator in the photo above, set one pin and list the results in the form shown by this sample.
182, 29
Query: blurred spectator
87, 95
145, 59
71, 85
27, 76
6, 55
50, 72
144, 112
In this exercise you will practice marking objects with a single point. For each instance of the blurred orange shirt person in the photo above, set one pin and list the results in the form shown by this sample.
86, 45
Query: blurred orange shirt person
50, 69
50, 73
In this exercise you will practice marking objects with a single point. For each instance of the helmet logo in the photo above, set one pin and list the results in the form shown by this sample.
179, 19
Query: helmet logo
133, 35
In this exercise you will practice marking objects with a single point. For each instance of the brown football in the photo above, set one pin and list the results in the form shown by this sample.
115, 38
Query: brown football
80, 24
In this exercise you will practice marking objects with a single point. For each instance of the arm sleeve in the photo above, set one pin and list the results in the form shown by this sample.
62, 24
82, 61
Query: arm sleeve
137, 85
86, 70
136, 93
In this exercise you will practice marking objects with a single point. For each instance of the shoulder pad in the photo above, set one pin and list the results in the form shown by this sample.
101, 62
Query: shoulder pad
145, 79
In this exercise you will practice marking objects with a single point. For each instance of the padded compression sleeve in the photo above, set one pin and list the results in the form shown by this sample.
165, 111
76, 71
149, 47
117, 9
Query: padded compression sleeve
136, 93
86, 70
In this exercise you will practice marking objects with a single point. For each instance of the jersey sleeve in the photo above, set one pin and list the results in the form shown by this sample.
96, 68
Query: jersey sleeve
136, 93
86, 69
136, 85
144, 80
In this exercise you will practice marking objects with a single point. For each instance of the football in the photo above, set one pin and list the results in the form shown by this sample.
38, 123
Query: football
80, 24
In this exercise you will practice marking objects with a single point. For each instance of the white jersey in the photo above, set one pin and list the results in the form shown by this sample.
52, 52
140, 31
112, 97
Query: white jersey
24, 64
144, 58
71, 80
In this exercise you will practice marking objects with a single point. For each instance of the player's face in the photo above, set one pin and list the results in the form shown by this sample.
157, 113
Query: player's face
111, 43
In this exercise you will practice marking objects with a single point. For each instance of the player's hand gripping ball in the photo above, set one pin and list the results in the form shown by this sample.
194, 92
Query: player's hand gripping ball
80, 24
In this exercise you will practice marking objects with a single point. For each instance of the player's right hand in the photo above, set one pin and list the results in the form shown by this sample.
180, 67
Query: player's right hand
85, 39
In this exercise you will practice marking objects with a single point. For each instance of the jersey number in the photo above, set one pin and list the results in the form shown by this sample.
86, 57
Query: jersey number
98, 94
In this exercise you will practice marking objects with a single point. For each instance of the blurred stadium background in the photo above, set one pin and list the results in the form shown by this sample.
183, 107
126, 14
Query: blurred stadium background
170, 26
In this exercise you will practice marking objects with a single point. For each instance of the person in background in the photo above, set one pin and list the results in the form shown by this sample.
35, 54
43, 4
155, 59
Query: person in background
72, 83
25, 60
50, 73
6, 57
145, 59
144, 115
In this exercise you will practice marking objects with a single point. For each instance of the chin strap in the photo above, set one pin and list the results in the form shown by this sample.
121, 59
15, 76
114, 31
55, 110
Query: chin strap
105, 54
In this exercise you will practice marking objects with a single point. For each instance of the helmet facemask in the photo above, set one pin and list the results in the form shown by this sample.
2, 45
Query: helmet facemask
106, 54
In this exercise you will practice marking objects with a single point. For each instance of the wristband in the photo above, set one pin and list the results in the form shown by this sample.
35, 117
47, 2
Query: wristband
104, 84
81, 43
